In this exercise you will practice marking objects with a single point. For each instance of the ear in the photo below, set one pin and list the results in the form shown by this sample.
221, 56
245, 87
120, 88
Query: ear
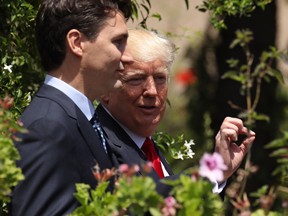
74, 41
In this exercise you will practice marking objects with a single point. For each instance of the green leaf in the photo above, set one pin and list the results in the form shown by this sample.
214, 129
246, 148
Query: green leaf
233, 62
234, 76
260, 191
147, 9
261, 117
82, 193
157, 16
277, 74
281, 152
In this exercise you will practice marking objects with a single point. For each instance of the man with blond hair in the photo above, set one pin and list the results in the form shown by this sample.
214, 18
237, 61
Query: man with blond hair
131, 112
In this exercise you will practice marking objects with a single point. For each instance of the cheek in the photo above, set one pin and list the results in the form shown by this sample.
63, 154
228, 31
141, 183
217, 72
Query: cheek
110, 56
163, 94
126, 98
132, 94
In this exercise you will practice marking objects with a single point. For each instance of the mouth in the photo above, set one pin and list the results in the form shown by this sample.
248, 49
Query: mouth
149, 109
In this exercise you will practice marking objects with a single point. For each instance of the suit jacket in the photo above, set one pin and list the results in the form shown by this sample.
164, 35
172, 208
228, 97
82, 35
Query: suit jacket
58, 151
125, 150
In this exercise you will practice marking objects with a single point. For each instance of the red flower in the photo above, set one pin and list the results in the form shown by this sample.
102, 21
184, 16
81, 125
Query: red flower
186, 76
7, 102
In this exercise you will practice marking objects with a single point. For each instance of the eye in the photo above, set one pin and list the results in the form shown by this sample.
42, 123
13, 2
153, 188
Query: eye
120, 43
117, 43
160, 79
135, 81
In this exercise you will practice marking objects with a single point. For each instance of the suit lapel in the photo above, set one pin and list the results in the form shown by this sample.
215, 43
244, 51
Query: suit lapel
93, 141
119, 140
123, 147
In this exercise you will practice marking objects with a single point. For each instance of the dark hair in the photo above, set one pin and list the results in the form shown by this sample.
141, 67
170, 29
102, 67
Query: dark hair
56, 18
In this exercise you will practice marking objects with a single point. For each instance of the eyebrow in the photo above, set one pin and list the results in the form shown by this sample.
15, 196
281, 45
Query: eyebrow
135, 71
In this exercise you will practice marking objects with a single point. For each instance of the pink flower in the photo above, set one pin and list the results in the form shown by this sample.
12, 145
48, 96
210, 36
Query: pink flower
170, 201
127, 171
147, 167
123, 168
212, 167
170, 206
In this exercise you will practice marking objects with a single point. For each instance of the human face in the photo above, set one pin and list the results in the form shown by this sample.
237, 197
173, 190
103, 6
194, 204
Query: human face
102, 56
139, 104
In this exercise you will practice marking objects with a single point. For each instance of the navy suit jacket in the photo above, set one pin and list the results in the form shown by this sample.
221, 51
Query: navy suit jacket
59, 150
125, 150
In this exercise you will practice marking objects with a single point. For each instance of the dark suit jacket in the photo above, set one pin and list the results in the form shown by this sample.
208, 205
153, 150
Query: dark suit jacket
125, 150
59, 151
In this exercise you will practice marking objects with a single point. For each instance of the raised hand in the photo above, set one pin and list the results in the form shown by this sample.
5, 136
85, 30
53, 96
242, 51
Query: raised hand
226, 139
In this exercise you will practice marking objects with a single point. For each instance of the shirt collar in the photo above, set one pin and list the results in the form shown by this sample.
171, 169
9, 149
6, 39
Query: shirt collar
84, 104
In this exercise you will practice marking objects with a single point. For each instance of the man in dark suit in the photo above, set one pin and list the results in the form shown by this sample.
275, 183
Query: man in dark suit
81, 44
130, 114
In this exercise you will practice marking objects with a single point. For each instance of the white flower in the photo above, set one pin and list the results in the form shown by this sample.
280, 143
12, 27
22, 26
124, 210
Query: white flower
188, 144
190, 153
180, 155
8, 67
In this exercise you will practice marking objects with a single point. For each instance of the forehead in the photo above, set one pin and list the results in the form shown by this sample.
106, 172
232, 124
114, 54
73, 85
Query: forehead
115, 26
156, 66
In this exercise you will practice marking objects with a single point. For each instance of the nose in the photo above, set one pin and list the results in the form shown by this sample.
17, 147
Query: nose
150, 87
126, 57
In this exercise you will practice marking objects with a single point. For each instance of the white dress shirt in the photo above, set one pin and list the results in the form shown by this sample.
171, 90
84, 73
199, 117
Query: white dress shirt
84, 104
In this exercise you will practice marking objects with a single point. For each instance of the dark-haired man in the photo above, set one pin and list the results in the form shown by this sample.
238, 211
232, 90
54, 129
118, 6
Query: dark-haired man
81, 45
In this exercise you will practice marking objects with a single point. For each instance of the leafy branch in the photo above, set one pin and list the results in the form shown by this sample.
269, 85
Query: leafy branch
191, 193
10, 174
251, 75
220, 9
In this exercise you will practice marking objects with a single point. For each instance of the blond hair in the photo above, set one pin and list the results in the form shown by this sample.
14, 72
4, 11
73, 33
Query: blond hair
146, 46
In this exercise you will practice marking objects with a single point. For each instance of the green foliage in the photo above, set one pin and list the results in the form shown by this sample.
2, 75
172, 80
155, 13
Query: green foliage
141, 10
136, 195
196, 198
96, 202
220, 9
177, 147
251, 75
280, 151
10, 175
262, 212
133, 194
19, 67
139, 195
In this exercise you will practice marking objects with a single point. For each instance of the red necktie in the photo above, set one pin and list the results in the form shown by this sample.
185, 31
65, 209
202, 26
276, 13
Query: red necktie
149, 150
